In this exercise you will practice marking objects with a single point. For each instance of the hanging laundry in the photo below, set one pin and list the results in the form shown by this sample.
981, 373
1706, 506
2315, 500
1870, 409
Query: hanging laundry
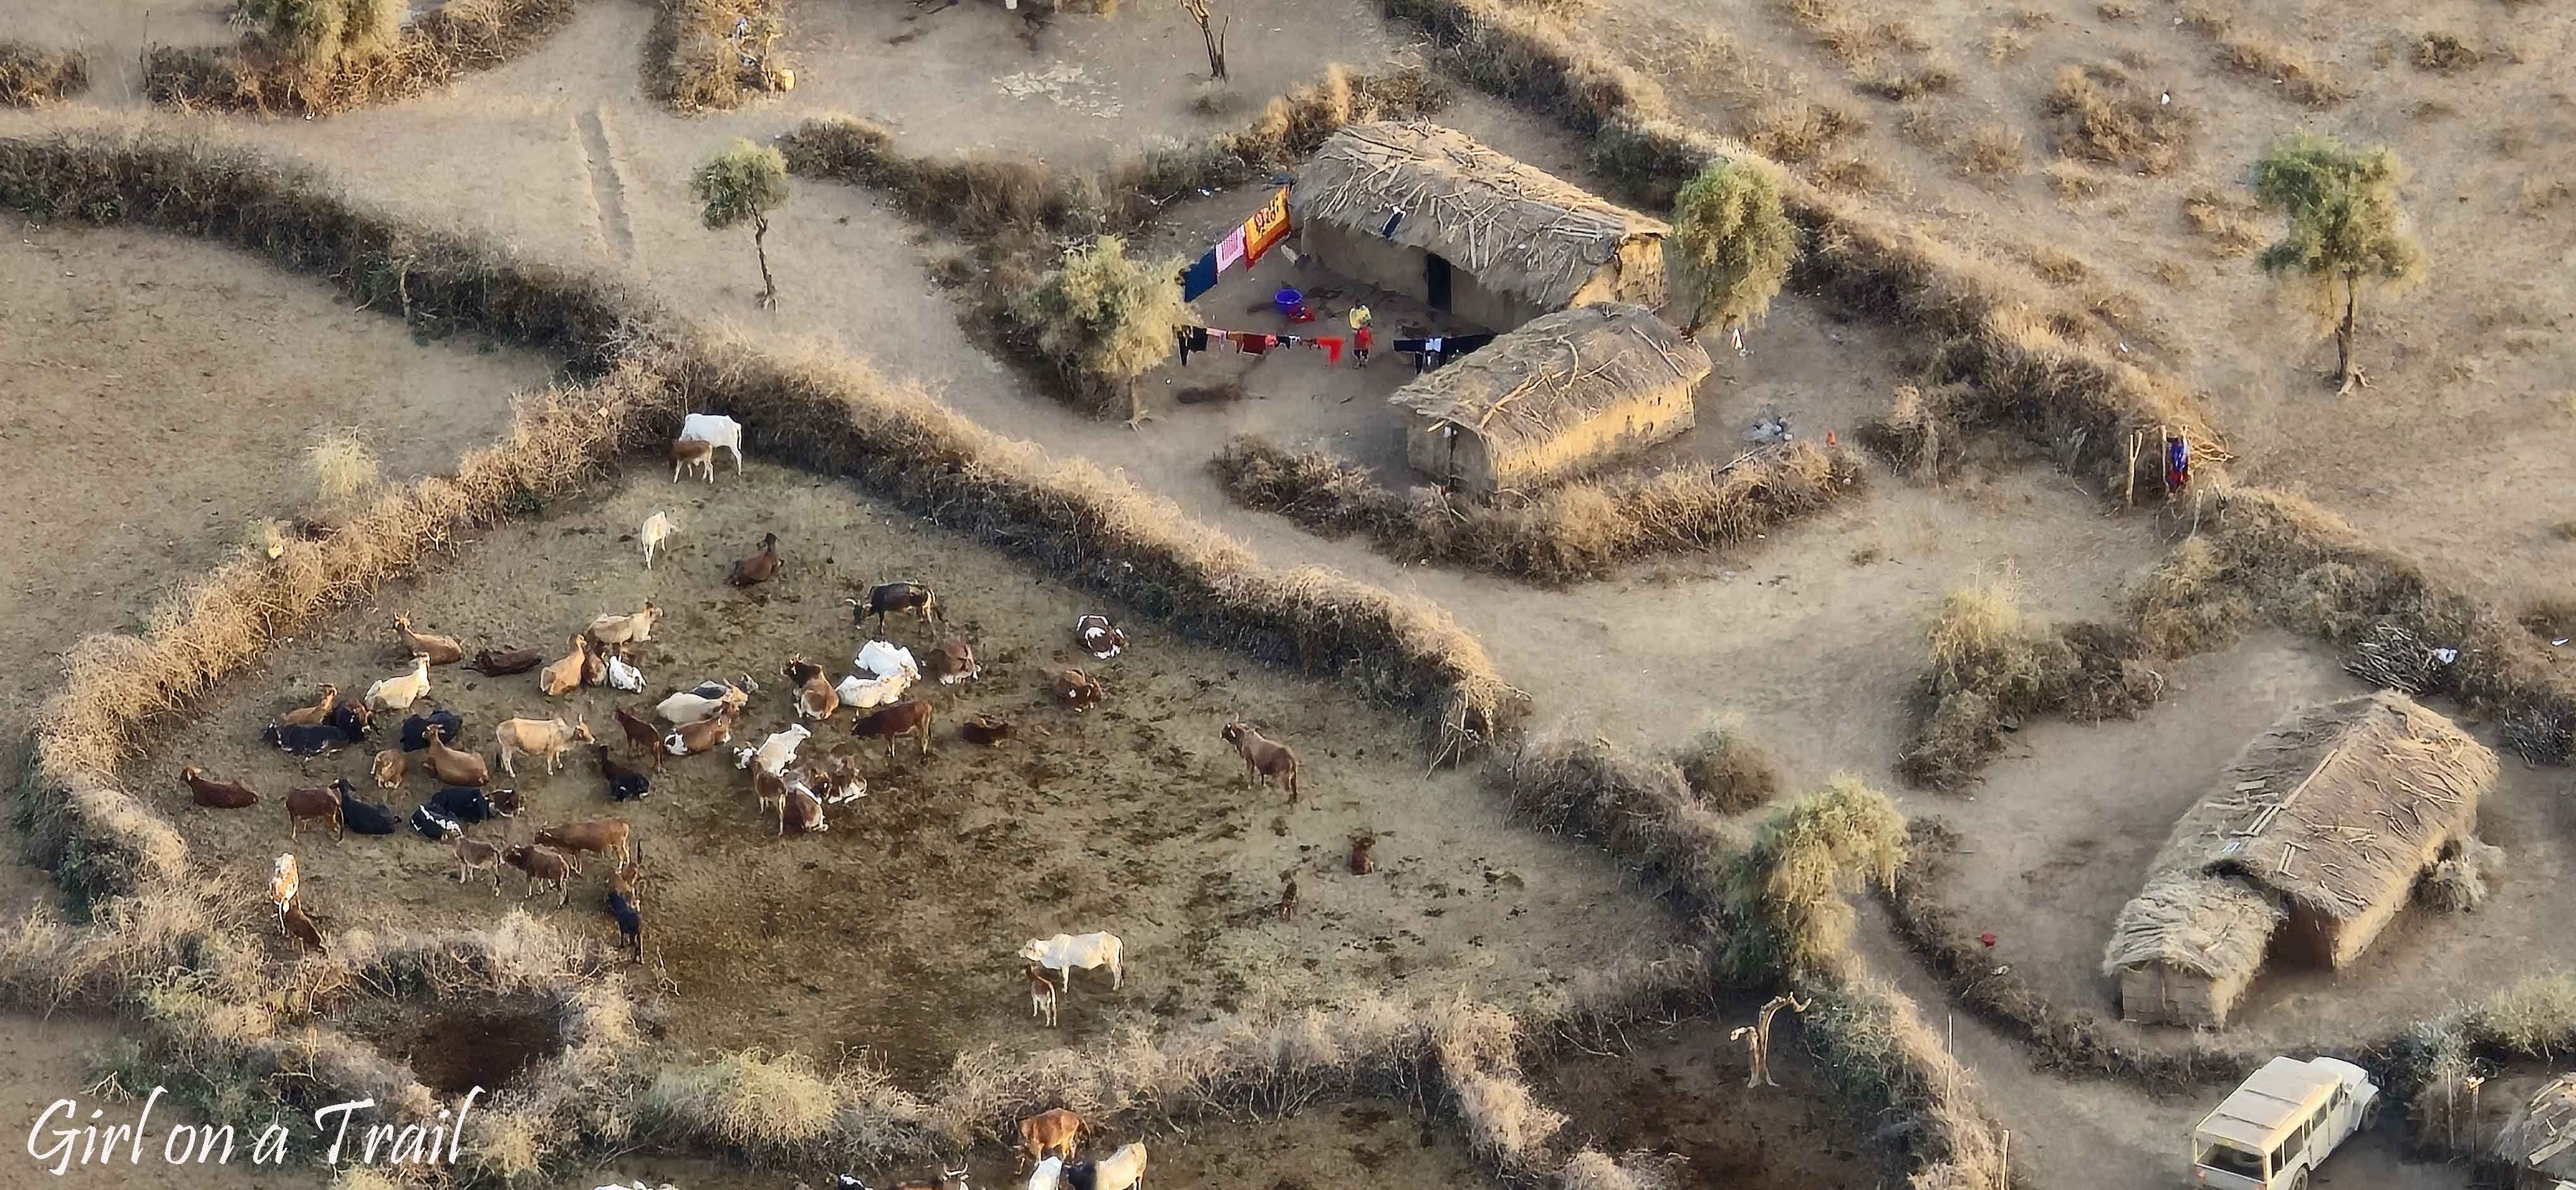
1251, 344
1332, 345
1193, 338
1200, 278
1229, 251
1267, 227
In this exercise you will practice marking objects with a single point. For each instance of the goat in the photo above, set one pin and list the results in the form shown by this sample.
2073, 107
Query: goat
1047, 1133
285, 880
760, 567
690, 454
314, 801
441, 650
843, 782
775, 753
1041, 994
540, 863
415, 730
363, 816
949, 1179
896, 722
1264, 757
219, 795
642, 738
657, 532
813, 695
563, 677
451, 765
466, 804
953, 661
862, 694
474, 855
399, 692
391, 765
539, 737
626, 902
596, 834
703, 735
302, 929
632, 627
985, 729
507, 661
1064, 952
1079, 690
714, 429
699, 704
1100, 638
310, 740
894, 597
625, 782
308, 716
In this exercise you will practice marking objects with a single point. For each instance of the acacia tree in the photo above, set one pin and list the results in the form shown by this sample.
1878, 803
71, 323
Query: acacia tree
744, 182
1107, 317
1211, 33
1732, 245
2345, 231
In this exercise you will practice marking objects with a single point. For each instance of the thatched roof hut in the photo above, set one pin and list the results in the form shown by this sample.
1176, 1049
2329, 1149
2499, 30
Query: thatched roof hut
2541, 1134
1562, 394
2317, 829
1426, 212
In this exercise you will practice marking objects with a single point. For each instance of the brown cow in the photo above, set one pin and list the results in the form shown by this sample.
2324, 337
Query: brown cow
1078, 689
474, 855
454, 766
506, 661
690, 739
308, 716
951, 661
1047, 1132
594, 834
895, 722
642, 738
391, 764
1363, 861
220, 795
1264, 757
814, 694
314, 802
542, 863
302, 928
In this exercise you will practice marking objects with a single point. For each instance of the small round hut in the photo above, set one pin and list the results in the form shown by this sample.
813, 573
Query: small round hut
1561, 395
2540, 1136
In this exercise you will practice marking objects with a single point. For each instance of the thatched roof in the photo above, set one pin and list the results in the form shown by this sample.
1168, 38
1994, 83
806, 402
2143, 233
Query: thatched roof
1555, 372
2336, 805
2213, 926
1512, 227
2541, 1134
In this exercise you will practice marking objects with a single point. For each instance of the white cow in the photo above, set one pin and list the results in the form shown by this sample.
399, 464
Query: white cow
775, 753
623, 676
862, 694
1049, 1175
696, 703
1064, 952
655, 534
724, 431
884, 660
1120, 1170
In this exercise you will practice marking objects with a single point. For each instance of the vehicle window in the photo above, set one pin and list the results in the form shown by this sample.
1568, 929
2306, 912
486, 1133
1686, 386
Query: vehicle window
2232, 1160
2294, 1144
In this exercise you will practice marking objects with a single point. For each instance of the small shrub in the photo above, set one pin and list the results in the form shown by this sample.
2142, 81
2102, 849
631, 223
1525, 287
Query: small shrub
1729, 770
1783, 904
771, 1105
711, 55
1851, 173
2073, 179
2542, 192
2457, 882
31, 76
2291, 68
2447, 53
1906, 85
2534, 1015
2551, 617
2115, 10
2004, 45
2103, 115
1990, 667
1106, 317
2228, 224
1731, 245
1800, 132
342, 468
2056, 265
1993, 150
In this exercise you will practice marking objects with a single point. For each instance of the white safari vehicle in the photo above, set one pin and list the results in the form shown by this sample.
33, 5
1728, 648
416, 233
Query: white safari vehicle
2282, 1122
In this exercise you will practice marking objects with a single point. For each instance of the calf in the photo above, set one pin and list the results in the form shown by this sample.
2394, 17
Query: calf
562, 677
451, 765
895, 722
415, 730
714, 429
308, 716
1079, 690
311, 740
701, 703
1363, 860
657, 531
505, 802
474, 855
884, 659
689, 454
893, 597
539, 737
626, 903
1118, 1171
775, 753
220, 795
353, 720
441, 650
632, 627
541, 863
391, 764
863, 694
1049, 1133
302, 928
313, 801
986, 729
952, 661
642, 738
1100, 638
1264, 757
812, 692
284, 881
802, 809
843, 783
465, 804
596, 834
625, 781
694, 738
1041, 995
365, 817
1064, 952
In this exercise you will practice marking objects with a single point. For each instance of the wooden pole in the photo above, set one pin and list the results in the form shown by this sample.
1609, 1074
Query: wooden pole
2129, 497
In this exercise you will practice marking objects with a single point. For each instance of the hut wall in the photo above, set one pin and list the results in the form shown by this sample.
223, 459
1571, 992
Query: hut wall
2155, 994
1401, 269
1620, 429
2314, 938
1429, 449
1635, 276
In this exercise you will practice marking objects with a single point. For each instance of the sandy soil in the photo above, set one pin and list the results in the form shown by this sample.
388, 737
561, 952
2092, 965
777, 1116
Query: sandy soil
51, 1058
1132, 818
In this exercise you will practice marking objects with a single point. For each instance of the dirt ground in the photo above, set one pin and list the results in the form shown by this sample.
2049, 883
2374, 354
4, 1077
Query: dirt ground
894, 930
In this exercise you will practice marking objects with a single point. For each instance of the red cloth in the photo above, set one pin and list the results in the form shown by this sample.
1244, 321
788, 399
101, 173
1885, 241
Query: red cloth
1332, 345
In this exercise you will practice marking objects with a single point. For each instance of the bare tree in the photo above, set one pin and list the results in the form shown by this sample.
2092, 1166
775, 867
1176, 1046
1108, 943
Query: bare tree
1211, 33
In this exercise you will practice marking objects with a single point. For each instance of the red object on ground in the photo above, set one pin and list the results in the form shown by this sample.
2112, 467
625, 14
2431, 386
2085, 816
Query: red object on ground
1829, 441
1301, 314
1988, 938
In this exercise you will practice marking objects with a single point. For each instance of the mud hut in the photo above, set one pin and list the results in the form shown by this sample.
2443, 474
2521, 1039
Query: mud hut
1428, 213
1564, 393
2312, 839
2540, 1136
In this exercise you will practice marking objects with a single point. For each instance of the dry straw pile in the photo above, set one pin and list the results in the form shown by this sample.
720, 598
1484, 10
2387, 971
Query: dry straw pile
712, 55
370, 55
32, 76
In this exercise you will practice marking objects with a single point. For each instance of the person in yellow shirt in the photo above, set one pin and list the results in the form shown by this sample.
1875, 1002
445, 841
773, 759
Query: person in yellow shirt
1360, 336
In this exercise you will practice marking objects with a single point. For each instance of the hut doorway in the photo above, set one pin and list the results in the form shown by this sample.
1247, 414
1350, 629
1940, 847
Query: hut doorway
1435, 281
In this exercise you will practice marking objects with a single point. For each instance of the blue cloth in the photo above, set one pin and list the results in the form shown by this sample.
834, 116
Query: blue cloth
1200, 278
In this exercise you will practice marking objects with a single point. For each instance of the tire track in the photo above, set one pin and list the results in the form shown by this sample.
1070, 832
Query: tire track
607, 188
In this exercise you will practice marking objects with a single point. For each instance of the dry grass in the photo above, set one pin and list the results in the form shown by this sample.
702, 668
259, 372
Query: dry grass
1569, 532
2005, 44
2229, 223
2291, 69
1991, 666
1911, 84
343, 467
2115, 10
2105, 116
1729, 769
1993, 151
432, 52
2540, 193
2551, 617
2445, 53
33, 76
2072, 179
776, 1106
2056, 265
1851, 173
712, 55
1796, 132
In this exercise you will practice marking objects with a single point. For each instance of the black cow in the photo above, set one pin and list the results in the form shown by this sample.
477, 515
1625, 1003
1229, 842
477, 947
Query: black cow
893, 597
415, 735
434, 826
464, 803
305, 740
352, 720
365, 817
